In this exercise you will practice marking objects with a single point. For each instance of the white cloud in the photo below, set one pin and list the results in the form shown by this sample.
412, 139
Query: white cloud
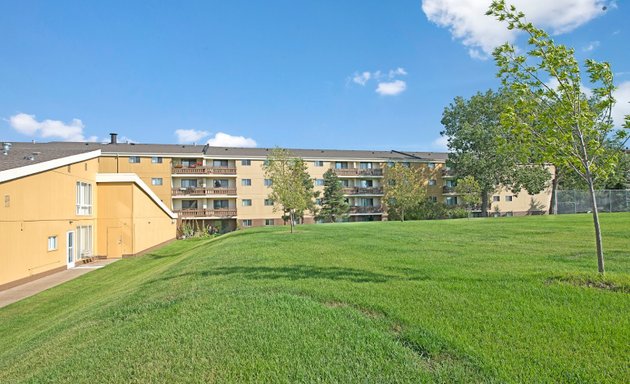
224, 140
397, 72
440, 144
391, 88
467, 21
56, 129
361, 78
622, 107
185, 136
590, 46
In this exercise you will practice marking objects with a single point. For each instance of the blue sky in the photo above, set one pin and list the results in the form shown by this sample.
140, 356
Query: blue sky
361, 74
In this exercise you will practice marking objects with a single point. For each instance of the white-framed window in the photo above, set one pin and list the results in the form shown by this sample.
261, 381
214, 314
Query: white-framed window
268, 202
246, 182
268, 182
247, 202
341, 165
508, 198
219, 163
451, 200
319, 182
189, 183
221, 204
246, 162
156, 181
134, 159
190, 204
269, 221
364, 165
433, 199
84, 198
247, 223
84, 241
431, 165
156, 160
496, 199
52, 243
432, 182
318, 163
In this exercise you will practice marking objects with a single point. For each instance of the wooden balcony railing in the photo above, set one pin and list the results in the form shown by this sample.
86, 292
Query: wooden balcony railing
196, 191
188, 213
358, 171
363, 191
373, 209
201, 170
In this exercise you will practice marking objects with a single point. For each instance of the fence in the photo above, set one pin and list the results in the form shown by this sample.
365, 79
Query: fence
610, 200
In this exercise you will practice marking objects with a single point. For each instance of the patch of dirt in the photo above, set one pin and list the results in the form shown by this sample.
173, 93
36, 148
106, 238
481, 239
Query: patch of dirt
580, 281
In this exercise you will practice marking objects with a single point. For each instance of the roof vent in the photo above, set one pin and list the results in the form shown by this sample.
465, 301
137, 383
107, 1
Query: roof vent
29, 157
5, 148
113, 138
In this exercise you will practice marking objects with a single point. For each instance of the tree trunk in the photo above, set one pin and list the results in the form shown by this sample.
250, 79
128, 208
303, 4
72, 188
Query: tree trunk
484, 204
402, 215
598, 232
553, 209
291, 219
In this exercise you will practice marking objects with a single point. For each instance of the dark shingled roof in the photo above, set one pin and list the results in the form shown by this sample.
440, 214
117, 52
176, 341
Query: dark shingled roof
20, 154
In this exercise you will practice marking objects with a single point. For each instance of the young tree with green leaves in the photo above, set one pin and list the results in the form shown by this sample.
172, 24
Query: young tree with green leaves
469, 191
291, 185
482, 148
404, 188
333, 204
550, 110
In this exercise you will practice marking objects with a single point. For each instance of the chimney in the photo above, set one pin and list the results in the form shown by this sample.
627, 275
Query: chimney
5, 148
114, 138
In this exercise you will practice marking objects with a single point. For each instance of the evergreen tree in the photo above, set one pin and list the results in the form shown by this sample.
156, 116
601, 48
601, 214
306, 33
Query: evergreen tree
333, 206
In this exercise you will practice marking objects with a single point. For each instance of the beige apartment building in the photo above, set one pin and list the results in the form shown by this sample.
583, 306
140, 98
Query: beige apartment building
139, 194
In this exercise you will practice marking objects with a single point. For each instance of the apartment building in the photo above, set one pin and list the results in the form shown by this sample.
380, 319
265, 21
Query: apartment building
65, 202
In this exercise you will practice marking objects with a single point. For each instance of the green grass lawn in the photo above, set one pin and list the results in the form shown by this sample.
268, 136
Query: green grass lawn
479, 300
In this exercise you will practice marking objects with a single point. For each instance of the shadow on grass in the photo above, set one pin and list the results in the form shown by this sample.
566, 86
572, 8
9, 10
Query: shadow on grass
297, 272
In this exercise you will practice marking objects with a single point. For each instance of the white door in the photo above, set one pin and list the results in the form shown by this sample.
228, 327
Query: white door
70, 249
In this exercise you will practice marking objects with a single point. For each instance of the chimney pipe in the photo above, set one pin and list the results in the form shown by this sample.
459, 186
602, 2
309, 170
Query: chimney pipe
114, 138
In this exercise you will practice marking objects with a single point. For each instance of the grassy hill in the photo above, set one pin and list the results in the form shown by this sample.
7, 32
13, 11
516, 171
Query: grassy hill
496, 300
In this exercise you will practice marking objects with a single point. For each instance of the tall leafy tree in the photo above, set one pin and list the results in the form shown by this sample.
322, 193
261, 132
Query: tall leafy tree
404, 188
550, 110
482, 148
291, 186
333, 204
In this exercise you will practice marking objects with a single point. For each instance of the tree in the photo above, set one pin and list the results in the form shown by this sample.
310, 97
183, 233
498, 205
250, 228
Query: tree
291, 186
469, 191
482, 148
551, 111
333, 204
404, 188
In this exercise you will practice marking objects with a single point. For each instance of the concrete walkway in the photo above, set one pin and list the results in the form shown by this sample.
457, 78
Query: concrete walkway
31, 288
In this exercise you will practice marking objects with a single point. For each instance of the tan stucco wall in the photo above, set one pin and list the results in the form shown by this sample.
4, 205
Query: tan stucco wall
146, 170
142, 223
40, 206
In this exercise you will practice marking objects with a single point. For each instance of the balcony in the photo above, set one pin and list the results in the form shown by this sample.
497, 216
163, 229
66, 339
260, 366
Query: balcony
194, 191
363, 191
192, 213
358, 171
201, 170
448, 173
372, 209
446, 189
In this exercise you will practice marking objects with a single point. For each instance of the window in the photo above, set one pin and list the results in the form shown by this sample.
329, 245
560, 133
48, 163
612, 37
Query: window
84, 241
156, 181
134, 159
246, 163
509, 214
451, 200
341, 165
319, 182
406, 164
496, 199
52, 243
247, 223
345, 183
365, 202
366, 183
84, 199
268, 182
189, 183
433, 199
269, 221
221, 183
156, 160
219, 163
247, 202
508, 198
318, 163
246, 182
266, 162
189, 163
189, 204
431, 165
268, 202
363, 165
318, 201
221, 204
450, 183
432, 182
390, 163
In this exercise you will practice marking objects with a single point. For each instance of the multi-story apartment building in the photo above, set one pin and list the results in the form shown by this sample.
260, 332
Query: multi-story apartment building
138, 191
